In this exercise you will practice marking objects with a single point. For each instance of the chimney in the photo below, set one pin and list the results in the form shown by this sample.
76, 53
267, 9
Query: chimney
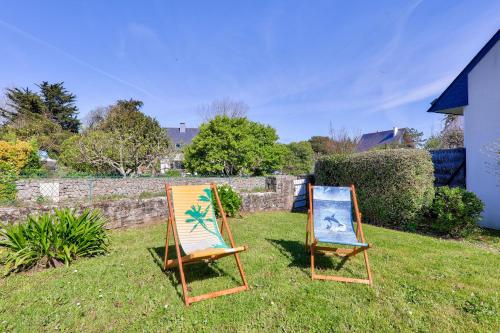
183, 128
394, 131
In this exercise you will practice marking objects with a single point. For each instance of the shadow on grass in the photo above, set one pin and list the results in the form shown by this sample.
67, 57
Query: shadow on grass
198, 271
295, 251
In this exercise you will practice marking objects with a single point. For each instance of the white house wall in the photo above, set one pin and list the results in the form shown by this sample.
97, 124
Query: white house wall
482, 129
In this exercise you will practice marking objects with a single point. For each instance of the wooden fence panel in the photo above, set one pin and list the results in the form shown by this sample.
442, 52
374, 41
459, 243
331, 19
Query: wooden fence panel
449, 167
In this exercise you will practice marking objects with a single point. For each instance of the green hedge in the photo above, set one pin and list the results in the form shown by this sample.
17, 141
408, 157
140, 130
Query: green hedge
394, 186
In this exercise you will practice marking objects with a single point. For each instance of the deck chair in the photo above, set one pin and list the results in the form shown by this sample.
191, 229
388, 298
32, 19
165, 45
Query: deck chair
194, 227
330, 221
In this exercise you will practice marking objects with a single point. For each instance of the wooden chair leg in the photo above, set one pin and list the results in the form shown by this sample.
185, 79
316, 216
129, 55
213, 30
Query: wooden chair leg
307, 240
240, 268
313, 250
167, 238
367, 264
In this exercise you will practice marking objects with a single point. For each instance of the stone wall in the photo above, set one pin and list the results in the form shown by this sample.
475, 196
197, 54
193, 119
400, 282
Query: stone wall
81, 190
120, 213
133, 211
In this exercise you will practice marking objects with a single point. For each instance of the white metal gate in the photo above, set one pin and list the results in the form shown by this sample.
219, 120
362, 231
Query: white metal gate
300, 194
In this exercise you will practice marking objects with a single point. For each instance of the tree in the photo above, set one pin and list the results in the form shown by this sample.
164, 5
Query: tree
413, 138
48, 134
60, 105
95, 117
343, 142
433, 142
299, 159
126, 141
53, 102
234, 146
223, 107
322, 145
452, 135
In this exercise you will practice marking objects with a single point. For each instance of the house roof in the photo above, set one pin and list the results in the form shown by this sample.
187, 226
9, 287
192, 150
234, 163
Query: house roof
456, 96
182, 138
370, 140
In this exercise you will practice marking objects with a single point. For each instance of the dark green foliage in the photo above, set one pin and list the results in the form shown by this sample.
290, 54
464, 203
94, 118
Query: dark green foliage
33, 167
234, 146
60, 105
229, 199
393, 186
53, 102
454, 212
299, 159
21, 101
8, 178
172, 173
49, 240
322, 145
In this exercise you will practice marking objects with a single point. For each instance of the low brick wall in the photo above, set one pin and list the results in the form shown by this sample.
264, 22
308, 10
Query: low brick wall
129, 212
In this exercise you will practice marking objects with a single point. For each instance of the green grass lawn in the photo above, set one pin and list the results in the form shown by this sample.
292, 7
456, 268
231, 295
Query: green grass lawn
420, 284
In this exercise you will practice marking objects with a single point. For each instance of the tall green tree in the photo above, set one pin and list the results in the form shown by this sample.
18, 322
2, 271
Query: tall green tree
413, 138
21, 102
234, 146
53, 101
322, 145
126, 141
60, 105
299, 159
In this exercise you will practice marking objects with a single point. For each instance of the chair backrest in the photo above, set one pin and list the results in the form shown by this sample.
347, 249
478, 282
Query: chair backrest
195, 218
332, 209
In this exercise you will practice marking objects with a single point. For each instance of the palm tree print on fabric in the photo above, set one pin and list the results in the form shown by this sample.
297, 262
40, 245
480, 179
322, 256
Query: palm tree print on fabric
199, 217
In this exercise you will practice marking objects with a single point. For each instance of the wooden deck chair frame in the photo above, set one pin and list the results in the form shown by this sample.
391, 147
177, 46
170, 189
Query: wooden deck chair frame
181, 261
313, 248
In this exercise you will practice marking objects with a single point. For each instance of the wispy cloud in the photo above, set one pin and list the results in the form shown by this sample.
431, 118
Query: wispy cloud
413, 94
76, 59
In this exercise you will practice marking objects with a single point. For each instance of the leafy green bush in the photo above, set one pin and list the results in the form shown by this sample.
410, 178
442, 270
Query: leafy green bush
33, 167
299, 159
454, 212
229, 199
172, 173
49, 240
234, 146
8, 188
394, 186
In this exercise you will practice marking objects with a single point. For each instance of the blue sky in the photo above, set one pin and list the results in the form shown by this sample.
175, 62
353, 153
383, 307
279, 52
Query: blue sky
363, 65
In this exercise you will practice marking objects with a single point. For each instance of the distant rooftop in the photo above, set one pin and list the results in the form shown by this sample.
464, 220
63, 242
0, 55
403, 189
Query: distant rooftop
182, 135
370, 140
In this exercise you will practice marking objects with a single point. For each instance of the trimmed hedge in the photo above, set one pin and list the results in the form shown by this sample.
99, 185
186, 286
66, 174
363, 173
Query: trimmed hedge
393, 186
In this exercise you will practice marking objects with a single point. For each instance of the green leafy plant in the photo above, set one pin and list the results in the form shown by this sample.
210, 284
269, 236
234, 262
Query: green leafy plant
234, 146
51, 240
172, 173
454, 212
8, 188
229, 199
299, 159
